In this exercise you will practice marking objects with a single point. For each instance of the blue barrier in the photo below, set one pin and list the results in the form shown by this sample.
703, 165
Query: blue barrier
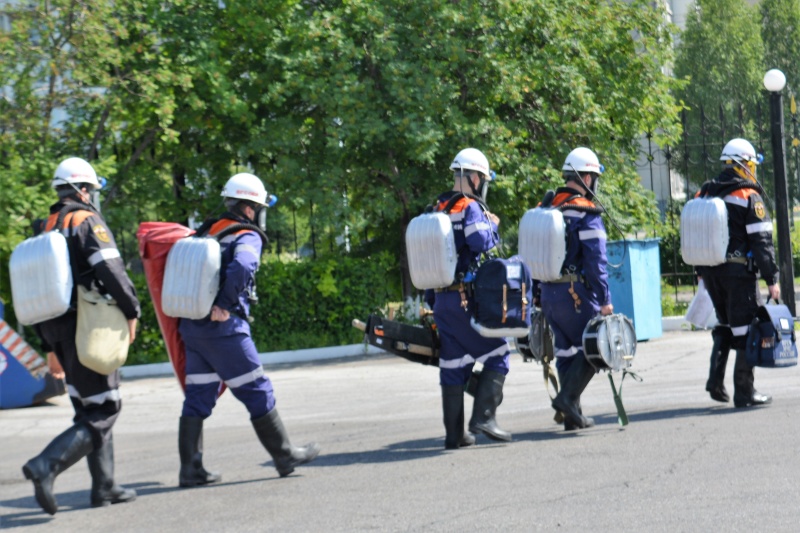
634, 278
24, 377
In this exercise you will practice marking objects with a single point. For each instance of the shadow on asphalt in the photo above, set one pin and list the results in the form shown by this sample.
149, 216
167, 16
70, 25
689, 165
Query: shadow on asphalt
609, 422
399, 451
67, 502
712, 410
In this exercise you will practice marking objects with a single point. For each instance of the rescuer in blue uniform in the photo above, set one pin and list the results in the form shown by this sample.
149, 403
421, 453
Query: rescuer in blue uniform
582, 292
475, 232
219, 348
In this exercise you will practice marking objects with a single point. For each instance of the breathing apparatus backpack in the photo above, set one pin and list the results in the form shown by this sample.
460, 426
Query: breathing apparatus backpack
704, 225
543, 240
192, 273
42, 284
704, 231
431, 248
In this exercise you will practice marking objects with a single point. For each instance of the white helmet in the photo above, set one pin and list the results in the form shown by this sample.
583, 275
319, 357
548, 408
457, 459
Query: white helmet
740, 150
472, 159
246, 187
75, 170
582, 160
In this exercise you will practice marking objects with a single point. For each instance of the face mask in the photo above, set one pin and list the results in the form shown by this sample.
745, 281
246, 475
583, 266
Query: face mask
594, 187
745, 170
94, 199
484, 187
261, 218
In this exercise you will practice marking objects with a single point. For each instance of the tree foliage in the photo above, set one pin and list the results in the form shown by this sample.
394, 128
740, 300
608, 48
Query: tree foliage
721, 54
350, 110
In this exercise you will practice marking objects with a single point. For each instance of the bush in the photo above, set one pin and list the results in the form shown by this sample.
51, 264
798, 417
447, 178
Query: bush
303, 304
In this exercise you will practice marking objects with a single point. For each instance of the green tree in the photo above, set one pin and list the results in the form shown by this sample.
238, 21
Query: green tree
780, 31
407, 85
721, 54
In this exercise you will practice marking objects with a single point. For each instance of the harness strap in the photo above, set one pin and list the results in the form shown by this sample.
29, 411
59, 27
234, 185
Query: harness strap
739, 260
622, 416
568, 278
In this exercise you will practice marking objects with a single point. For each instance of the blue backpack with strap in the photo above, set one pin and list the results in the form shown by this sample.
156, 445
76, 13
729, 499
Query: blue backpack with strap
771, 338
503, 298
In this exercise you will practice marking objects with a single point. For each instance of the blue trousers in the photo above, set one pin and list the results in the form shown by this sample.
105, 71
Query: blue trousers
233, 360
462, 346
567, 322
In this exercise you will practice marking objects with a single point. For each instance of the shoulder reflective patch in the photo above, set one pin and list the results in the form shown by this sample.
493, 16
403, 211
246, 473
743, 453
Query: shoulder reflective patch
101, 233
735, 200
759, 209
573, 214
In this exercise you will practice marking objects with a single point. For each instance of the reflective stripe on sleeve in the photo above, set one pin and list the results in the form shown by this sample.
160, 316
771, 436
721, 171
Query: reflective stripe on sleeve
103, 255
759, 227
473, 228
585, 235
238, 381
246, 248
202, 379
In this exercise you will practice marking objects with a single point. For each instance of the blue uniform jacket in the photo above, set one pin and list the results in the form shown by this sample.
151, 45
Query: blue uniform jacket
586, 242
241, 253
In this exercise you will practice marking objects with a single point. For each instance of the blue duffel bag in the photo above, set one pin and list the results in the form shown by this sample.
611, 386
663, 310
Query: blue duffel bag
771, 339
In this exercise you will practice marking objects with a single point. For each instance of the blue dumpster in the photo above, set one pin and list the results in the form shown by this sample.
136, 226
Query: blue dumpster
634, 278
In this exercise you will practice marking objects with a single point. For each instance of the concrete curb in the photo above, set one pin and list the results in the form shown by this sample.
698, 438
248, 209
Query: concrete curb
268, 358
670, 323
679, 323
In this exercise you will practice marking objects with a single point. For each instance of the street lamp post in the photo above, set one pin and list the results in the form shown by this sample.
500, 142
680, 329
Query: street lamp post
775, 81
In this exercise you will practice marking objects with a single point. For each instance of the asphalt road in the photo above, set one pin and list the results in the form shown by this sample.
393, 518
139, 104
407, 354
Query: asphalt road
684, 463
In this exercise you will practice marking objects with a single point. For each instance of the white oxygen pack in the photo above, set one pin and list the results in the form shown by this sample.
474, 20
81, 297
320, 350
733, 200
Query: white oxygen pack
431, 249
191, 277
704, 232
542, 242
41, 278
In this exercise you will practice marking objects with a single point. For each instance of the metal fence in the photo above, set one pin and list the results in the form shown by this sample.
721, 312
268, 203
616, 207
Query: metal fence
676, 172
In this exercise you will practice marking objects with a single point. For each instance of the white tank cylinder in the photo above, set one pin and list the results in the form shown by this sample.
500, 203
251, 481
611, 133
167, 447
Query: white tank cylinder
704, 232
191, 278
431, 248
542, 242
41, 278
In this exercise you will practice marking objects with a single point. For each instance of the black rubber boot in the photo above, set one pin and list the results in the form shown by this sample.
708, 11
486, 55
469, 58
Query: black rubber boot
744, 393
190, 449
453, 409
568, 400
570, 427
567, 425
104, 490
488, 395
274, 438
64, 451
719, 360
